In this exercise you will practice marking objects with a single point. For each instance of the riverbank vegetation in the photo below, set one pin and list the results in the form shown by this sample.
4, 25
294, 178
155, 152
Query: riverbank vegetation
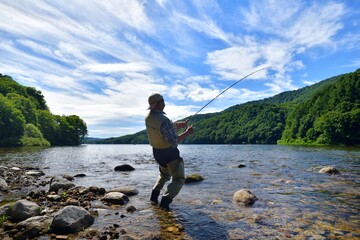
25, 119
326, 113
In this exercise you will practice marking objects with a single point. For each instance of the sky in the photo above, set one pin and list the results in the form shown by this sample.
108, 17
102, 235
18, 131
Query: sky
101, 60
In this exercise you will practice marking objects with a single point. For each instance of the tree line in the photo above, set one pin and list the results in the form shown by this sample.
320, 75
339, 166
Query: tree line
326, 113
25, 119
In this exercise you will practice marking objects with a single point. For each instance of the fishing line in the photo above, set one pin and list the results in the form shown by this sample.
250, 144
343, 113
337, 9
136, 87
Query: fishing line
227, 89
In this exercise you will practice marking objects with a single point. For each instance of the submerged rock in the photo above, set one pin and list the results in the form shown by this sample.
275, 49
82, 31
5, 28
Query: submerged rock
245, 196
330, 170
124, 168
193, 178
71, 219
129, 191
116, 198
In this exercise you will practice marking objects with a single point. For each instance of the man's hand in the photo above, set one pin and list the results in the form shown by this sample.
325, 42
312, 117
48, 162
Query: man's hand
189, 129
180, 125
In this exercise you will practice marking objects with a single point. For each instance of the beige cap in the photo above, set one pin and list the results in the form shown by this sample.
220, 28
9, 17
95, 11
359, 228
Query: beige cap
154, 99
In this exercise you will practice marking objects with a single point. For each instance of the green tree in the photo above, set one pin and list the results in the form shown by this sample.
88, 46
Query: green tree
11, 123
33, 137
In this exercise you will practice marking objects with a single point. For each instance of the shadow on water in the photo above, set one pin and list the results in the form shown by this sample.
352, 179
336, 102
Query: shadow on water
199, 226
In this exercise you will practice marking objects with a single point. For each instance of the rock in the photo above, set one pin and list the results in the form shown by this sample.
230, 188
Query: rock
193, 178
3, 185
71, 219
330, 170
93, 189
58, 182
124, 168
131, 209
115, 198
33, 227
128, 191
245, 196
68, 177
216, 202
5, 209
24, 209
241, 165
35, 173
79, 175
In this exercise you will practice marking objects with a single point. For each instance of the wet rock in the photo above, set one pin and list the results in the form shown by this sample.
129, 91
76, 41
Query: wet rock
24, 209
128, 191
115, 198
35, 173
124, 168
59, 182
330, 170
71, 219
79, 175
131, 209
68, 177
216, 202
3, 185
245, 196
33, 227
193, 178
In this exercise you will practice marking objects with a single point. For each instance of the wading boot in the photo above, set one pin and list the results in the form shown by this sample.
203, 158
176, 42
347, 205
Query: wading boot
154, 196
164, 204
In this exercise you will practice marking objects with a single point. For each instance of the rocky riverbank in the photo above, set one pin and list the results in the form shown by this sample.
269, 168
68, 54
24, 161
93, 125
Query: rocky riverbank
36, 206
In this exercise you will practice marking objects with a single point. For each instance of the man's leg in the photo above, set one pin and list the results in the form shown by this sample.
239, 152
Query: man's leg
164, 176
177, 172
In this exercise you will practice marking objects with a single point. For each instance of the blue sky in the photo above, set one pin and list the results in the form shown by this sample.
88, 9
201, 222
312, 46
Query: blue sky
102, 59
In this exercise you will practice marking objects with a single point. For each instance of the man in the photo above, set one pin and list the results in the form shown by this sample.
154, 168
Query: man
164, 140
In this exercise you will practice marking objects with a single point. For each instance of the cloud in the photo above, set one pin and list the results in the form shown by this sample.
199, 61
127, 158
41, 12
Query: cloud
118, 67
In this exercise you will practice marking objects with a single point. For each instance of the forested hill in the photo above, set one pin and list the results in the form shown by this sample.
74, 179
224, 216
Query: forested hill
25, 119
325, 113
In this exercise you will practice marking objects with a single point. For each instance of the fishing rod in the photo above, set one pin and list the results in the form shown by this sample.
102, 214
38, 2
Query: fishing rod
226, 90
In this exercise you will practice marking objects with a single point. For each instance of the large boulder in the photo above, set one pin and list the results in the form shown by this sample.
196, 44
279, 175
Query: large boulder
59, 182
115, 198
71, 219
245, 196
24, 209
329, 170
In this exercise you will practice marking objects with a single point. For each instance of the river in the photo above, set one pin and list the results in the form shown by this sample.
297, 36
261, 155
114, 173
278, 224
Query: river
295, 201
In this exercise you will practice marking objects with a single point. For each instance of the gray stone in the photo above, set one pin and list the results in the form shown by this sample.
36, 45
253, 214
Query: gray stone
35, 173
59, 182
24, 209
71, 219
5, 209
116, 198
128, 191
329, 170
33, 227
3, 185
124, 168
245, 196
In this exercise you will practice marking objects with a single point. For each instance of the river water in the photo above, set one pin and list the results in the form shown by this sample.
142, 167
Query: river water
295, 201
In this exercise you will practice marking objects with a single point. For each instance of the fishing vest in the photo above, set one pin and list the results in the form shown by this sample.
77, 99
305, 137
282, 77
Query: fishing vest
153, 122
